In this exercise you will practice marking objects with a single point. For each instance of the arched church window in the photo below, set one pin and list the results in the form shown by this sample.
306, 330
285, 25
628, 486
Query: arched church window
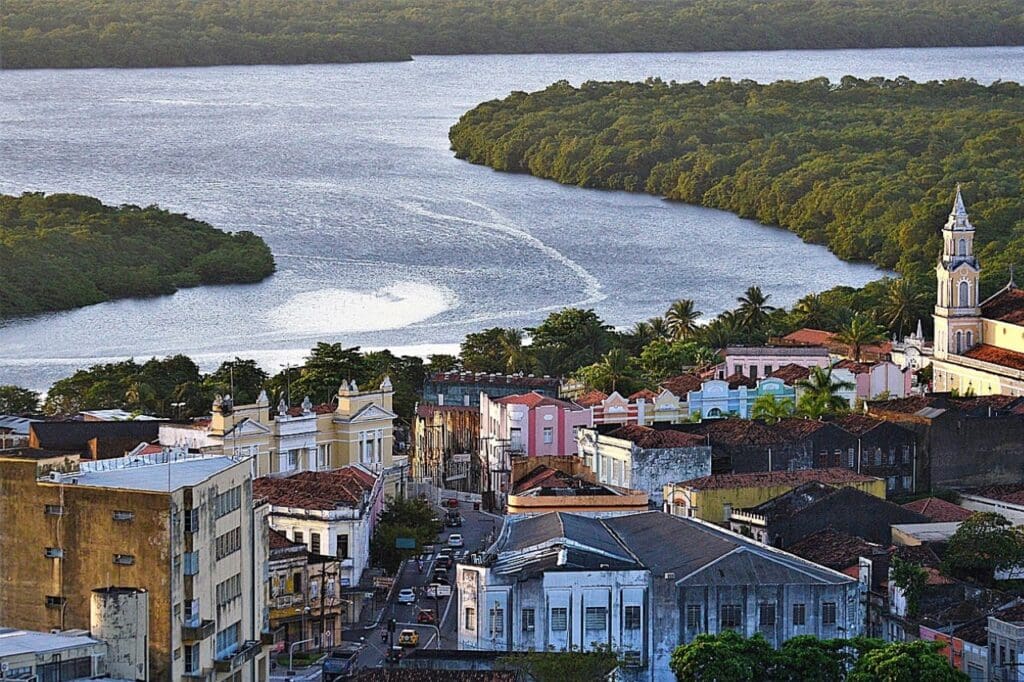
962, 247
970, 340
959, 342
965, 295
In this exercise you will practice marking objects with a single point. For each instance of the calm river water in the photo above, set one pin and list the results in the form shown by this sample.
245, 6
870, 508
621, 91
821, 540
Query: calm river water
383, 238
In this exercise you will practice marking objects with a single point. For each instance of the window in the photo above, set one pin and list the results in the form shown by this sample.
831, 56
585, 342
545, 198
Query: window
298, 537
227, 640
293, 459
192, 520
962, 247
121, 515
892, 455
314, 589
54, 601
693, 619
297, 582
54, 510
529, 620
595, 618
753, 371
549, 435
878, 457
906, 454
191, 616
314, 543
828, 613
516, 439
766, 615
470, 618
799, 614
964, 299
54, 553
559, 619
124, 559
732, 616
229, 543
191, 658
342, 546
497, 621
890, 483
192, 563
229, 590
227, 502
767, 370
851, 458
908, 483
323, 455
632, 617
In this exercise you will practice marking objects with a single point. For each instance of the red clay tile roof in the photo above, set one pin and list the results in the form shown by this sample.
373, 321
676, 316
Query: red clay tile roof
855, 367
503, 379
903, 405
1005, 306
532, 400
316, 489
797, 428
151, 449
791, 373
322, 408
737, 432
938, 510
834, 549
735, 380
1013, 614
648, 438
996, 356
1012, 492
857, 424
644, 393
830, 476
809, 337
279, 540
681, 385
591, 398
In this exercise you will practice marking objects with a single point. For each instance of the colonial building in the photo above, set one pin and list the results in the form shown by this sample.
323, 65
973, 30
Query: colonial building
183, 529
760, 361
357, 428
640, 585
643, 458
880, 378
444, 446
979, 344
565, 484
464, 388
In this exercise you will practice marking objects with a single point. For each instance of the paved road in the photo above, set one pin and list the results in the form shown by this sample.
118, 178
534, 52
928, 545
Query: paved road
476, 528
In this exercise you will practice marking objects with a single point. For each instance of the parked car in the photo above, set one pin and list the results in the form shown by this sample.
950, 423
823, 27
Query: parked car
406, 596
408, 637
455, 540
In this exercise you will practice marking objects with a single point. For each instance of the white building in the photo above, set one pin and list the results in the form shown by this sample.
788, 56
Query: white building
642, 584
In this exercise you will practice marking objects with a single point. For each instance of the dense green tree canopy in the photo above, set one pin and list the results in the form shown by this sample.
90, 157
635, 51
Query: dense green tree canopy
866, 167
75, 33
18, 400
65, 250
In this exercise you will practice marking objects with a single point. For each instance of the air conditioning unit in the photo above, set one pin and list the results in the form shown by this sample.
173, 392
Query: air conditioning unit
54, 553
54, 476
124, 559
670, 576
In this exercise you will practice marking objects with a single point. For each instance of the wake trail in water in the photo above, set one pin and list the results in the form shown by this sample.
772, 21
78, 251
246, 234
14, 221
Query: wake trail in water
592, 288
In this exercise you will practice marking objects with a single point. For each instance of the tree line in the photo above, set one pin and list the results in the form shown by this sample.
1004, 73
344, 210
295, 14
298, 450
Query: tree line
866, 167
62, 251
141, 33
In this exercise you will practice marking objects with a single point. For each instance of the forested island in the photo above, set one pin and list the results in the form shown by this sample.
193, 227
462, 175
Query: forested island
150, 33
63, 251
866, 167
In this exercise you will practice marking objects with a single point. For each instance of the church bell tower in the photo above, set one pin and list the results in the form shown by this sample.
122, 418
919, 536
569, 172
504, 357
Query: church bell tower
957, 305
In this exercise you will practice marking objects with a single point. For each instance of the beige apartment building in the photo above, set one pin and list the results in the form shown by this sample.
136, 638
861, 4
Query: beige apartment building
356, 428
179, 528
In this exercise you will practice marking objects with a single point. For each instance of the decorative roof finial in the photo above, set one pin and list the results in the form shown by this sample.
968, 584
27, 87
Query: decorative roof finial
282, 407
307, 405
958, 202
920, 330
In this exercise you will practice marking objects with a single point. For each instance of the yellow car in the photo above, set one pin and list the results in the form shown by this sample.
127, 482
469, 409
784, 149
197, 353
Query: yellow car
408, 638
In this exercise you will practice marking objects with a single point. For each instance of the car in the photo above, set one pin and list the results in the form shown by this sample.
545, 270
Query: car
426, 616
408, 637
406, 595
451, 503
445, 561
440, 574
455, 540
453, 519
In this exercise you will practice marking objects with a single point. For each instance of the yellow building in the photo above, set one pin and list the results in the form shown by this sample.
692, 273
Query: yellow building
979, 345
356, 428
709, 497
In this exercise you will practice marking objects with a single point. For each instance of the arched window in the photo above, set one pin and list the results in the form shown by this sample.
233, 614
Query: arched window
970, 340
963, 247
965, 295
959, 342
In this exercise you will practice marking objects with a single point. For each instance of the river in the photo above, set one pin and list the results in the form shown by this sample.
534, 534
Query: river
382, 237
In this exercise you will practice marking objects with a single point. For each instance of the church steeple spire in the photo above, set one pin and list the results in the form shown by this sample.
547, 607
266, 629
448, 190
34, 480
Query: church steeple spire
957, 311
958, 219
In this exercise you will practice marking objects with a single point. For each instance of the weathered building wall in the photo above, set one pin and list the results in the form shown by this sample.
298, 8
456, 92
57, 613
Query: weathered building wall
652, 469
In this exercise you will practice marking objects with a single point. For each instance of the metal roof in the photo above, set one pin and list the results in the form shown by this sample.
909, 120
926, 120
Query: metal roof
155, 477
16, 642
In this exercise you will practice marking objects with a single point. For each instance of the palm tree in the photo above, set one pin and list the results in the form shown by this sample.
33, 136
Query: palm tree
771, 410
721, 331
514, 355
754, 309
682, 318
659, 327
904, 305
138, 395
639, 336
812, 312
859, 332
821, 393
704, 356
616, 366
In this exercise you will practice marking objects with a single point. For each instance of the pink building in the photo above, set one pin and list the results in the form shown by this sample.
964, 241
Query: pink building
530, 424
757, 362
876, 378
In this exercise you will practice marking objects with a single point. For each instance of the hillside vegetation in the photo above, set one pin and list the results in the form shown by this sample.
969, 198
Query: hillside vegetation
65, 250
866, 167
122, 33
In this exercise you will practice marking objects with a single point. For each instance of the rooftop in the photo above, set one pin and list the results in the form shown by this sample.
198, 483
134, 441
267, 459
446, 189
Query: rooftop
737, 379
854, 366
544, 480
322, 490
1006, 306
426, 410
834, 549
857, 424
938, 510
75, 435
793, 502
644, 393
1011, 492
15, 424
830, 476
533, 400
523, 381
591, 398
280, 542
647, 438
778, 351
791, 373
996, 356
14, 642
809, 337
933, 405
161, 477
681, 385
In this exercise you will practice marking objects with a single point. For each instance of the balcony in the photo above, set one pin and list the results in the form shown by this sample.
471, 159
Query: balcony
204, 675
197, 630
272, 637
236, 660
